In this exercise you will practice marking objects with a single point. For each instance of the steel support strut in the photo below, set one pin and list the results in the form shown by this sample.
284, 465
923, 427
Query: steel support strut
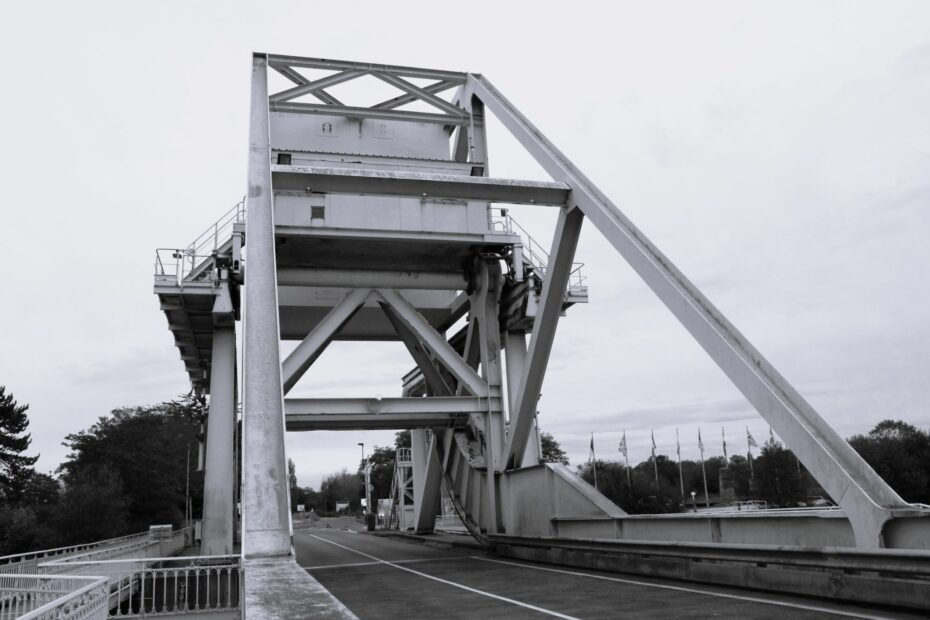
266, 515
523, 414
865, 498
219, 477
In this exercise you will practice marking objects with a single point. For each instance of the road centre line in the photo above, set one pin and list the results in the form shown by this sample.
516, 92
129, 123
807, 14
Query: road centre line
452, 583
753, 599
354, 564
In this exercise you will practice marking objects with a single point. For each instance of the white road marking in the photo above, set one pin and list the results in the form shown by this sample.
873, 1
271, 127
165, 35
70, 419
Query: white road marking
452, 583
354, 564
752, 599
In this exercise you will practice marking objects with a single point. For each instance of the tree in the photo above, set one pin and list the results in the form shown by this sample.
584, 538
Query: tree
341, 487
15, 469
94, 506
552, 452
778, 477
899, 453
146, 450
382, 472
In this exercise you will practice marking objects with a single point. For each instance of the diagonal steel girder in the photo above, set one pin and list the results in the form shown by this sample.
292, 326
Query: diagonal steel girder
434, 341
434, 380
311, 347
866, 499
558, 271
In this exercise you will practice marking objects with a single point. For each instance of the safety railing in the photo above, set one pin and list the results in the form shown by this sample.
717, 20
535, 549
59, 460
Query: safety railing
193, 261
164, 586
535, 255
25, 563
43, 597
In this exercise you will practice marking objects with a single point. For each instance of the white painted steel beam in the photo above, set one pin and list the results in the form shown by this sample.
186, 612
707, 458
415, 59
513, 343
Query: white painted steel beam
390, 183
427, 480
396, 102
311, 347
370, 278
276, 60
435, 342
311, 88
866, 499
266, 515
220, 470
356, 112
515, 351
370, 406
434, 380
523, 414
297, 422
419, 93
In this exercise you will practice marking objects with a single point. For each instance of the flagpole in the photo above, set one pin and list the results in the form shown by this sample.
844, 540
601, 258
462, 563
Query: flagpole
626, 457
703, 470
593, 461
655, 465
681, 477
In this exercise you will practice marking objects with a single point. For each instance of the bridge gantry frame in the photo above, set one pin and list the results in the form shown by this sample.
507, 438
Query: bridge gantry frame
375, 223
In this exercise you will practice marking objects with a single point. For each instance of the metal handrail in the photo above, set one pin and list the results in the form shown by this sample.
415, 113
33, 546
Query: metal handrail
194, 257
164, 585
44, 597
20, 560
533, 252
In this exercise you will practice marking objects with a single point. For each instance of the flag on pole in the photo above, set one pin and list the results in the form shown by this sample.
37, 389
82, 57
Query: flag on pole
677, 445
626, 459
750, 440
593, 461
700, 443
652, 434
723, 437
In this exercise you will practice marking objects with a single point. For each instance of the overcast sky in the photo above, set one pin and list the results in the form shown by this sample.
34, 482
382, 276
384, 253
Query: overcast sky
777, 152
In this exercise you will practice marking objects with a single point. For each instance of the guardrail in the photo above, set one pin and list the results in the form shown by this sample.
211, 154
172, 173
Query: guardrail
534, 253
25, 563
179, 264
895, 577
43, 597
164, 586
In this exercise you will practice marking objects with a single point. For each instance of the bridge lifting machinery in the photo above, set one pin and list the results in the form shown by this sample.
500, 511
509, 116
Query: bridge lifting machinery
375, 223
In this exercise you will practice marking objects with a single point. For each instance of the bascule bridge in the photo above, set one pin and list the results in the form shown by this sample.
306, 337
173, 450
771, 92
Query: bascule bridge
385, 222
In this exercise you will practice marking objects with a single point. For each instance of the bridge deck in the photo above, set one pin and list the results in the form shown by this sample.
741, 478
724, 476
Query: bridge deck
378, 577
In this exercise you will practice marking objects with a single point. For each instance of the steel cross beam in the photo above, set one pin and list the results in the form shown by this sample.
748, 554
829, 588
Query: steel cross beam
401, 405
278, 60
306, 87
311, 347
866, 499
305, 414
352, 278
435, 342
431, 374
388, 183
358, 112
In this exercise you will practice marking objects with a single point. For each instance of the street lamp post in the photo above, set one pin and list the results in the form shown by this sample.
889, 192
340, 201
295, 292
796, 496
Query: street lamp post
367, 481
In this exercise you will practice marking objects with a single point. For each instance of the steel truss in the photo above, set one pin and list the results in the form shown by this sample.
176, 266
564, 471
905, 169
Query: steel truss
466, 436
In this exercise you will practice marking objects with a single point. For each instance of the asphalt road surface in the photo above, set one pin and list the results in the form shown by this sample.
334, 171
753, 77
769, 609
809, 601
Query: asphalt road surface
380, 577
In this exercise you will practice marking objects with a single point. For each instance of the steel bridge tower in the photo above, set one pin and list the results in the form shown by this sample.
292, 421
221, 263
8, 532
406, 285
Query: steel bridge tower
381, 222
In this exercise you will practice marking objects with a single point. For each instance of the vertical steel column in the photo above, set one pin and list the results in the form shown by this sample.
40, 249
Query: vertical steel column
220, 476
266, 516
427, 478
515, 350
